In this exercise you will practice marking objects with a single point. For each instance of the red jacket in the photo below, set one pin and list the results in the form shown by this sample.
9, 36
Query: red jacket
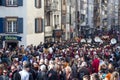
95, 65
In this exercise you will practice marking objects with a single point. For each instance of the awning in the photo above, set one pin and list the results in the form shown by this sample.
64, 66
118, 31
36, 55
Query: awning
12, 37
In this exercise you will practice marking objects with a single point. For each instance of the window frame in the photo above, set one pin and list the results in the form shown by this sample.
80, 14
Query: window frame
38, 25
38, 3
12, 5
64, 2
6, 25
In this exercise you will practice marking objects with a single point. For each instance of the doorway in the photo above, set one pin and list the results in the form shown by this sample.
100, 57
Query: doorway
11, 45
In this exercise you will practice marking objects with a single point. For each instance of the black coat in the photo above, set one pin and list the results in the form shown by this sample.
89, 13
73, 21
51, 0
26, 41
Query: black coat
33, 73
52, 75
83, 71
16, 75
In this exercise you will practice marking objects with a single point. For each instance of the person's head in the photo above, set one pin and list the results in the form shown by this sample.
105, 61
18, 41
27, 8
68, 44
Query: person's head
86, 77
15, 61
84, 64
51, 62
110, 68
46, 61
43, 68
94, 76
115, 76
35, 65
26, 65
13, 68
56, 59
51, 66
5, 72
41, 61
96, 56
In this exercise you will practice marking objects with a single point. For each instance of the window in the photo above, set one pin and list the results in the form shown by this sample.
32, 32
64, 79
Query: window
11, 2
38, 3
11, 25
38, 25
0, 2
64, 2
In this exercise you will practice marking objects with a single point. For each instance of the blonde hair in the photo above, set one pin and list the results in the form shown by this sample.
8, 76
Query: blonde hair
114, 76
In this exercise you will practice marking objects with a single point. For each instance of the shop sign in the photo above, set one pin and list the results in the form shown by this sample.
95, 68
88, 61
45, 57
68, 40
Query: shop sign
57, 33
12, 38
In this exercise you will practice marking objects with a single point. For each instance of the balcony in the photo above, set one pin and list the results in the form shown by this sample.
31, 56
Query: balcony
51, 6
47, 6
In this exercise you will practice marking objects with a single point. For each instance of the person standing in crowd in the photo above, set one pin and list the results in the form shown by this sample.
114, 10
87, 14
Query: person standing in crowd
42, 74
52, 74
33, 72
83, 71
14, 74
115, 76
110, 70
5, 75
25, 56
68, 73
95, 64
25, 72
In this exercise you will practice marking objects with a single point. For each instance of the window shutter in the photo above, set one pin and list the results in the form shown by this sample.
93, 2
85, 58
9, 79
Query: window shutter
35, 25
42, 25
20, 2
3, 2
36, 3
2, 25
20, 25
40, 3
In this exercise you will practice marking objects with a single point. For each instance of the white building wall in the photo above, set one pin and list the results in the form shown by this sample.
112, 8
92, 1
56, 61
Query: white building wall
32, 13
28, 12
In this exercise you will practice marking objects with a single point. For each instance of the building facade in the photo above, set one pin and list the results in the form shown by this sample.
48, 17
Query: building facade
112, 14
59, 19
52, 19
21, 22
70, 19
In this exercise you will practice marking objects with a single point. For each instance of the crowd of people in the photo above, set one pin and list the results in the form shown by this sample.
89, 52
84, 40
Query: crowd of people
66, 60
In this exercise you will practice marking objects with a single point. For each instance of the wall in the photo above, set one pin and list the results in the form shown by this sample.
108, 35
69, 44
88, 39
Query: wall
28, 12
17, 12
32, 13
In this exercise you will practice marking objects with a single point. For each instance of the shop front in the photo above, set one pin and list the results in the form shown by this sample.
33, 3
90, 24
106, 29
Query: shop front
57, 34
11, 41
